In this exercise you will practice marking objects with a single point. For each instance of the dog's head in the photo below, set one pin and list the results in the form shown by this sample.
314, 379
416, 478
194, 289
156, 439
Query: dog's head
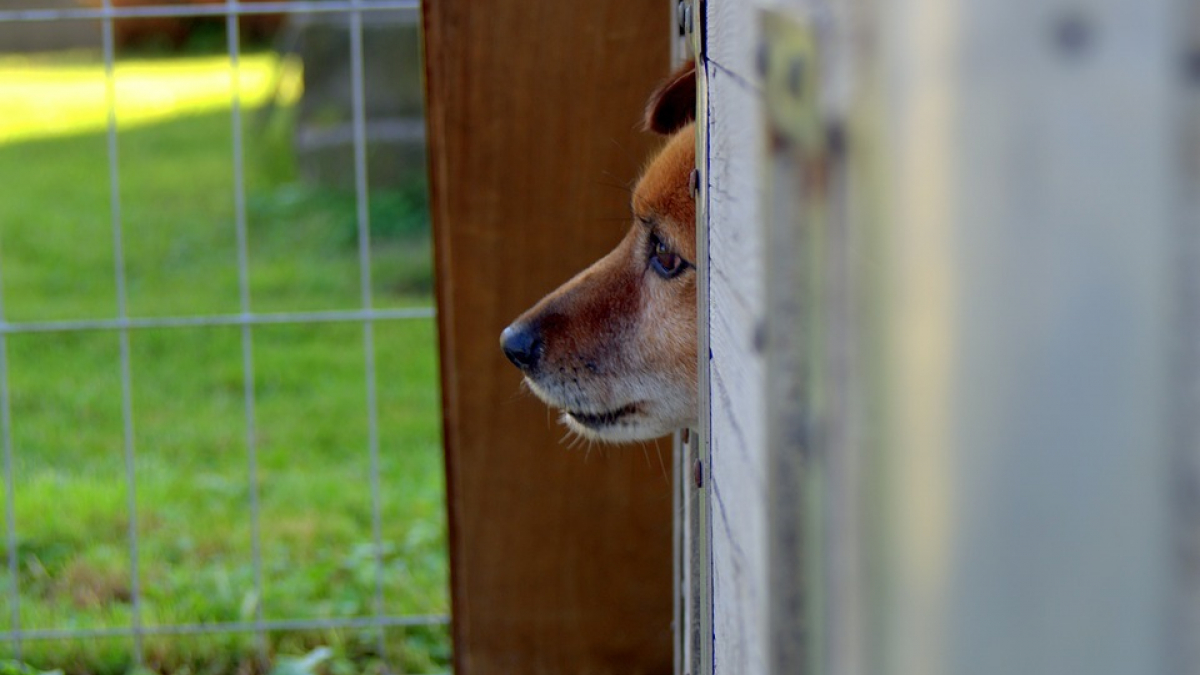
615, 347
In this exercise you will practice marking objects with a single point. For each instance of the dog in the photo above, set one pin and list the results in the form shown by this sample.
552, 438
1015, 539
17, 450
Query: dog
615, 347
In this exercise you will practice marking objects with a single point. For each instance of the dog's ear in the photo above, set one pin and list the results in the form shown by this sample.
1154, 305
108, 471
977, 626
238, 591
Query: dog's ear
673, 104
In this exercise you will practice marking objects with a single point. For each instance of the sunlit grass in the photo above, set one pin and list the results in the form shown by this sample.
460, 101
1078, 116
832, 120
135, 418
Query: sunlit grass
44, 97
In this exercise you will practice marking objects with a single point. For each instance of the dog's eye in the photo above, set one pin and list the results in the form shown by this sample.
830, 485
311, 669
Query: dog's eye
666, 263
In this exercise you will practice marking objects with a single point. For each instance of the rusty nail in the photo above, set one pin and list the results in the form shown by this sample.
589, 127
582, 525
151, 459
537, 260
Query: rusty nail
694, 183
698, 473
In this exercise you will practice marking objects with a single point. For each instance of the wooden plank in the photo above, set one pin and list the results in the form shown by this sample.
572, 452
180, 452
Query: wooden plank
737, 484
693, 606
1185, 645
801, 418
812, 352
733, 36
561, 559
1026, 225
737, 323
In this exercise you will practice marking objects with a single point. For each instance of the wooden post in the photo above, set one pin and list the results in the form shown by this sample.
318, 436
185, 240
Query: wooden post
561, 558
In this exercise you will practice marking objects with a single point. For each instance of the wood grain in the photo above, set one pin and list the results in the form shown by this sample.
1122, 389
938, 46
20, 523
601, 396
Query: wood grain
561, 558
738, 485
736, 311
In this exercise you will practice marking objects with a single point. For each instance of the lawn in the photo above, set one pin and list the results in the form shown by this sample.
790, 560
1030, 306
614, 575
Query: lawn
188, 410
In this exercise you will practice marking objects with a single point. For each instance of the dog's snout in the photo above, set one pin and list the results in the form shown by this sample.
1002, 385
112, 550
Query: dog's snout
522, 345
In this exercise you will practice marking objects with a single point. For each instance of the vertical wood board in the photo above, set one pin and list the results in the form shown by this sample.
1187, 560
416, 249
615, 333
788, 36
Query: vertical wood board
561, 558
737, 486
1029, 224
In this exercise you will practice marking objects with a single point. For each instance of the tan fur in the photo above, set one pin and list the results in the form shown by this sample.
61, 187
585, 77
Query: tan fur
619, 339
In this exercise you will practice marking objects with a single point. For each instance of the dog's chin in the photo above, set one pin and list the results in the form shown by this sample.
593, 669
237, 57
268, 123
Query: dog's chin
619, 424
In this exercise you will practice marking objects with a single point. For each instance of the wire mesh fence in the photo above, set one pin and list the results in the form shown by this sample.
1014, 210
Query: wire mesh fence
243, 318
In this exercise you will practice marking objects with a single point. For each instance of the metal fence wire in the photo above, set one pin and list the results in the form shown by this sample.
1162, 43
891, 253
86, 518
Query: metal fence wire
246, 319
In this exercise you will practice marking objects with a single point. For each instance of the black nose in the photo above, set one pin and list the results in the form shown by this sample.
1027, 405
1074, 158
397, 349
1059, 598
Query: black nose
522, 345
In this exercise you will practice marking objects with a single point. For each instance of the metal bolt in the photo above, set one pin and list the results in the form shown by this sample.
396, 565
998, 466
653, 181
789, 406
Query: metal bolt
694, 183
698, 473
685, 17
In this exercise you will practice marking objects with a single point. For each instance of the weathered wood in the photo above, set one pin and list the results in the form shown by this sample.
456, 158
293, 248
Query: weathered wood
694, 528
561, 558
732, 39
1026, 226
1002, 358
736, 481
737, 484
1185, 640
800, 413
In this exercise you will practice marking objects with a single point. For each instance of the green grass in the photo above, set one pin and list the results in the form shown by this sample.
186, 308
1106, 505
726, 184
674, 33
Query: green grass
189, 425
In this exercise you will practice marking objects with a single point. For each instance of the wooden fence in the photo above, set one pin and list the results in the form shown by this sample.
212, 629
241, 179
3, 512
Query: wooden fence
951, 319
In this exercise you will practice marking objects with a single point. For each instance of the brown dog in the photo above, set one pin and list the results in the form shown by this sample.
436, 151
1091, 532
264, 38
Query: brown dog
615, 347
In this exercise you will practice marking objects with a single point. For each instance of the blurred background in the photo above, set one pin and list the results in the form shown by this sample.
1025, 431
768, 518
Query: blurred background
251, 500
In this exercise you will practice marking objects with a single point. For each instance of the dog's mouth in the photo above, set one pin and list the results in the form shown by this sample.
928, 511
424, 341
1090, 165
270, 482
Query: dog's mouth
626, 423
604, 419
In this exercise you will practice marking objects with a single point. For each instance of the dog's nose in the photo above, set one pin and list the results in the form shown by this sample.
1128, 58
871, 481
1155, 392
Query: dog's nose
522, 345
